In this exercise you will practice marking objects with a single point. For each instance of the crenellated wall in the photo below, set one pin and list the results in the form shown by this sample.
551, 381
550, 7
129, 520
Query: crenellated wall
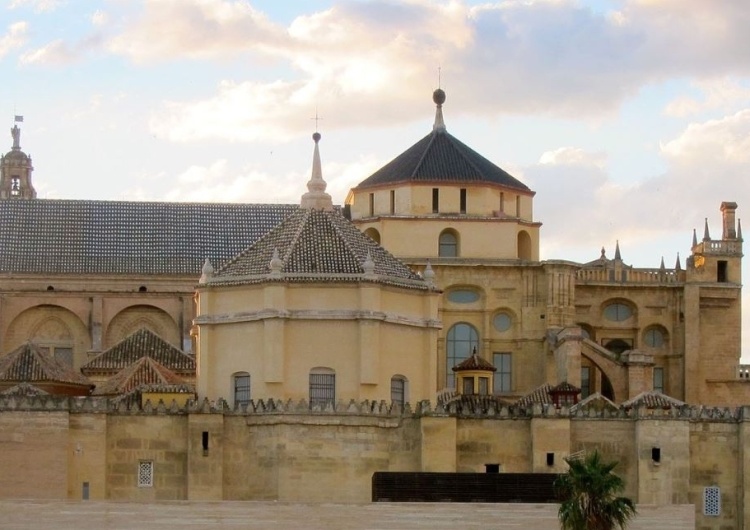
273, 450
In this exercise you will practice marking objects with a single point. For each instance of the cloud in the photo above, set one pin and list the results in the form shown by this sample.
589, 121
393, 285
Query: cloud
15, 37
99, 18
39, 6
61, 53
724, 94
572, 156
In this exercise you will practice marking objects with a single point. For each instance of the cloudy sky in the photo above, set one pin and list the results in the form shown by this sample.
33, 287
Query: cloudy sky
630, 118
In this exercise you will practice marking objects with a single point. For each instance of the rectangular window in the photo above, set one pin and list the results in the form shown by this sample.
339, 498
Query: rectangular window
463, 200
483, 386
146, 474
372, 204
659, 379
435, 200
393, 201
468, 386
322, 389
518, 206
721, 271
585, 381
502, 202
241, 389
65, 356
503, 376
398, 391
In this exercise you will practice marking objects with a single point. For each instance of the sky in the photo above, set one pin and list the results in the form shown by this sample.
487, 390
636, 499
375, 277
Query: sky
629, 118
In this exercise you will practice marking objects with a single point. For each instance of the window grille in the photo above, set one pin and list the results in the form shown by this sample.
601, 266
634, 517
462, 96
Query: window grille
503, 376
712, 501
447, 245
659, 379
145, 474
398, 390
322, 389
242, 389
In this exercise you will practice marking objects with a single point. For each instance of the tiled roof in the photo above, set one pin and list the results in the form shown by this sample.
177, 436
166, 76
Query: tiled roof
595, 401
24, 389
539, 396
114, 237
317, 245
565, 387
439, 156
653, 400
145, 371
29, 364
142, 343
474, 362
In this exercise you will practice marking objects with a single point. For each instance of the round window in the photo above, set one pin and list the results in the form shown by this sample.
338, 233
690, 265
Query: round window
617, 312
502, 322
463, 296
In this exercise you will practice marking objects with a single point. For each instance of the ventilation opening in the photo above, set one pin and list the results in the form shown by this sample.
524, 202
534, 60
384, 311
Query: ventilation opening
550, 459
142, 289
492, 468
50, 288
435, 200
204, 442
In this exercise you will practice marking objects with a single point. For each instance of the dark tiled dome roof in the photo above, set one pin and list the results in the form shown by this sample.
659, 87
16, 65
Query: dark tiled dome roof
29, 364
440, 157
316, 245
142, 343
114, 237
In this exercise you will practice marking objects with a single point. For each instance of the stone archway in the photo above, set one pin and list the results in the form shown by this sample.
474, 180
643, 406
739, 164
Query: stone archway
133, 318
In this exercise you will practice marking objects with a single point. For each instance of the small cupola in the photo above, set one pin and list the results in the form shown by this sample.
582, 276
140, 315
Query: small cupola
474, 376
16, 169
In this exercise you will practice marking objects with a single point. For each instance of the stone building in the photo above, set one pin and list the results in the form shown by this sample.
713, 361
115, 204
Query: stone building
322, 340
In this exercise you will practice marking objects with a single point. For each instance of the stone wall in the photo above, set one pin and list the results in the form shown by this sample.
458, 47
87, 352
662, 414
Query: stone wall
50, 447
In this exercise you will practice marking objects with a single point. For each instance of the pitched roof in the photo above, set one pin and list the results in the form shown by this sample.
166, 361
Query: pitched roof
145, 371
539, 395
474, 362
317, 245
142, 343
24, 389
29, 364
441, 157
114, 237
653, 400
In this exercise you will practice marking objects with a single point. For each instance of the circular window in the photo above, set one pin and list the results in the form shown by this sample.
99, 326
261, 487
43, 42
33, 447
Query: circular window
463, 296
502, 322
654, 338
617, 312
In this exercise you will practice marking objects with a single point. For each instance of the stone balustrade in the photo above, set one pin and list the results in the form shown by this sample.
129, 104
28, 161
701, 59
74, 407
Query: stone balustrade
629, 275
731, 247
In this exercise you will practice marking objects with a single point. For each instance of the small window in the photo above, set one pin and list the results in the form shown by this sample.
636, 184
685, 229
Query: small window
468, 385
462, 205
448, 245
398, 390
503, 376
463, 296
585, 381
483, 386
502, 322
393, 201
146, 474
502, 202
242, 388
617, 312
518, 206
654, 338
322, 387
15, 185
372, 204
435, 200
618, 346
712, 501
721, 271
659, 379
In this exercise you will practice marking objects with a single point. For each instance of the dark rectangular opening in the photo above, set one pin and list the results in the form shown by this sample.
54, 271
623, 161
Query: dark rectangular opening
492, 468
550, 459
435, 200
204, 441
721, 271
393, 201
85, 491
463, 200
656, 454
372, 204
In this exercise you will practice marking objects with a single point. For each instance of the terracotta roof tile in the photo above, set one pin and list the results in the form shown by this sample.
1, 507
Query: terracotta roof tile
142, 343
653, 400
24, 389
539, 396
474, 362
145, 371
29, 364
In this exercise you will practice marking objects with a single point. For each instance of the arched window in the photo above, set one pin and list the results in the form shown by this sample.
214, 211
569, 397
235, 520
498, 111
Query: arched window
399, 390
655, 337
448, 244
460, 343
617, 312
241, 384
322, 387
373, 234
524, 245
618, 346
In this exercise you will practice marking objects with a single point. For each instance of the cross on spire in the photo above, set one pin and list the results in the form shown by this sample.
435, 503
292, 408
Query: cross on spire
317, 119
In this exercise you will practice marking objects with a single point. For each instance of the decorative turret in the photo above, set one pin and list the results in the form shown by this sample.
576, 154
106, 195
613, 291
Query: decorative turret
15, 170
316, 197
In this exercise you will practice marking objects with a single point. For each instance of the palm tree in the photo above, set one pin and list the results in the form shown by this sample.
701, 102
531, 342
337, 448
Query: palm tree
589, 496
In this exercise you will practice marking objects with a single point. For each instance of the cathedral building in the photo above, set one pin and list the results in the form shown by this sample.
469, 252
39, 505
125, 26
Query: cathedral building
264, 351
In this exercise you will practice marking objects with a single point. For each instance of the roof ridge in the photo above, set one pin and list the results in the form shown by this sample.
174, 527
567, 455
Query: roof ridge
424, 153
294, 241
458, 145
347, 243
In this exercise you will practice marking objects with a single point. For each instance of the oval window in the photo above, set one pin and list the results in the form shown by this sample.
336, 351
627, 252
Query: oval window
617, 312
502, 322
463, 296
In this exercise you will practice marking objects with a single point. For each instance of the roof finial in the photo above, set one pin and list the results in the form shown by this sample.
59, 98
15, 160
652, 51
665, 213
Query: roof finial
706, 235
662, 267
207, 271
439, 98
695, 239
617, 251
739, 229
677, 265
429, 274
369, 266
316, 197
15, 132
275, 264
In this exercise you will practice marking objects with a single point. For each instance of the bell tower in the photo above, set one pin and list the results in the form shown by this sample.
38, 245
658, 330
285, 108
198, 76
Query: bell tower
15, 171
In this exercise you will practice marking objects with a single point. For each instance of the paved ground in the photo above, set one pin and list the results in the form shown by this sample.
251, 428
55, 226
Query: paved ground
95, 515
